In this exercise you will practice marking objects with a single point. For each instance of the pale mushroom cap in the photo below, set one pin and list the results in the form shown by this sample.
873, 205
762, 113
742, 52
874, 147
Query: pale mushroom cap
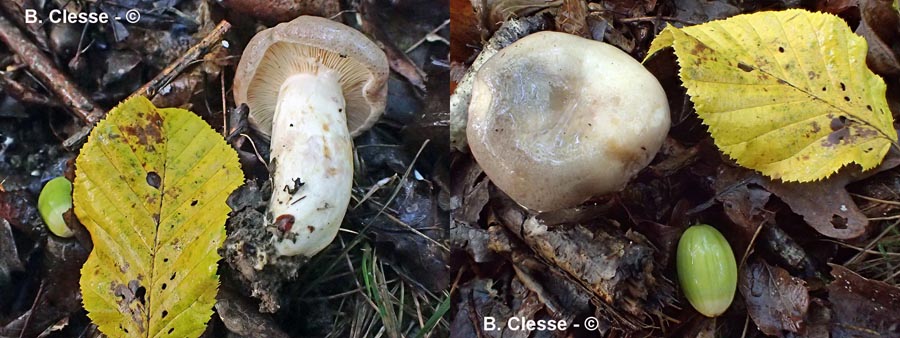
307, 44
556, 119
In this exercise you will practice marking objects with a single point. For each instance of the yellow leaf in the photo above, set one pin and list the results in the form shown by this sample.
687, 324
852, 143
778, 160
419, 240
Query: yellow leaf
150, 187
785, 93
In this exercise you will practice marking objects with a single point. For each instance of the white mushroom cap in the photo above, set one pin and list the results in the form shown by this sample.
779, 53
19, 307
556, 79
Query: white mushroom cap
309, 44
556, 119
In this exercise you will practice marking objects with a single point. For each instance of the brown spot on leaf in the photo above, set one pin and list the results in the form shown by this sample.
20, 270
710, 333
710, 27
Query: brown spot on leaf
864, 132
325, 126
147, 132
837, 137
815, 127
310, 228
838, 122
745, 67
130, 299
153, 179
154, 127
701, 49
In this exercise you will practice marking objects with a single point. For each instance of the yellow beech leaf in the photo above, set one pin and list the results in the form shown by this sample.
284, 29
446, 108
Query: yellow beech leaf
150, 187
785, 93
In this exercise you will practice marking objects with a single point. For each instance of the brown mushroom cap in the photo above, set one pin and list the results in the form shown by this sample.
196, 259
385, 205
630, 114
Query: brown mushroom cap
304, 45
556, 119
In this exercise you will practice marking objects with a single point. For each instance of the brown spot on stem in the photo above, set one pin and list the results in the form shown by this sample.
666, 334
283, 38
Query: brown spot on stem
284, 223
624, 155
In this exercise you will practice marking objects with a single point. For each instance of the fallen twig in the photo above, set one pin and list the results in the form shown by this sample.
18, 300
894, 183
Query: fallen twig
428, 36
44, 70
657, 18
398, 60
151, 88
15, 10
616, 267
23, 93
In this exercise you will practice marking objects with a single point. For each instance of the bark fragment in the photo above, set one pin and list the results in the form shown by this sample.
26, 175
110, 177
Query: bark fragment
615, 266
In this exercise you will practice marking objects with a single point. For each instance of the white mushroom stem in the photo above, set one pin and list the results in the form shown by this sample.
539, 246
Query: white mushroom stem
312, 153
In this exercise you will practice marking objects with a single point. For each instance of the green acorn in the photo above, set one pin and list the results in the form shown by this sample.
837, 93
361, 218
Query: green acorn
707, 270
54, 201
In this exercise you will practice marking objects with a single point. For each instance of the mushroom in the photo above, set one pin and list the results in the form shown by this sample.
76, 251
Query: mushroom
311, 85
556, 119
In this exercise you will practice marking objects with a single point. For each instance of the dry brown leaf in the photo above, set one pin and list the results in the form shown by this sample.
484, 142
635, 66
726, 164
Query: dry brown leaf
825, 205
618, 268
276, 11
744, 204
464, 32
836, 6
880, 25
862, 307
572, 18
776, 301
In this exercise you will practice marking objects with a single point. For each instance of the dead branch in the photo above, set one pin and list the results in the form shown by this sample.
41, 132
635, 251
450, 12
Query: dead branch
616, 267
151, 88
24, 94
45, 71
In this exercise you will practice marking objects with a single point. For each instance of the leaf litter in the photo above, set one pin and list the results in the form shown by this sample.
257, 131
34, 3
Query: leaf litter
783, 233
39, 123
